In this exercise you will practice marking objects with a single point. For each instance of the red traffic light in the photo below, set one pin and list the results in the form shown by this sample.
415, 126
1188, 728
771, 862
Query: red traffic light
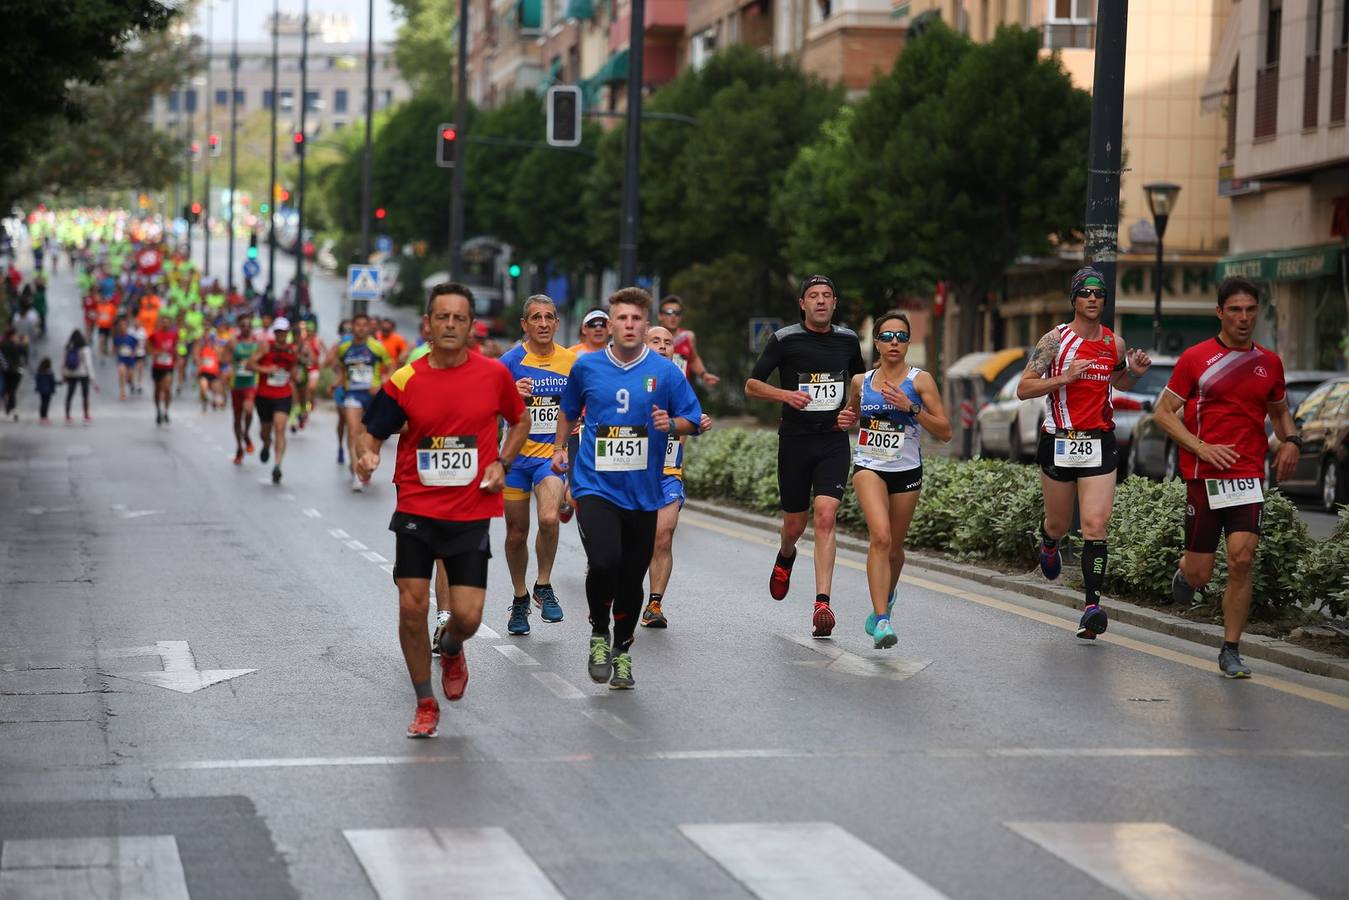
196, 209
299, 137
380, 212
214, 139
284, 195
448, 134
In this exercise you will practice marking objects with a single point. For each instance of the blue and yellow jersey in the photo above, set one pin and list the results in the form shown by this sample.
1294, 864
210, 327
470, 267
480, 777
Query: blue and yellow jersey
549, 374
364, 366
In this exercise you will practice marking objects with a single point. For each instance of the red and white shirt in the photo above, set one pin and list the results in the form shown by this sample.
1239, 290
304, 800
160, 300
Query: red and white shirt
1084, 404
1227, 393
162, 347
276, 385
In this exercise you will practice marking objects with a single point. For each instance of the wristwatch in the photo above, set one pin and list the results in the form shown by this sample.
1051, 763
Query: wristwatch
1295, 440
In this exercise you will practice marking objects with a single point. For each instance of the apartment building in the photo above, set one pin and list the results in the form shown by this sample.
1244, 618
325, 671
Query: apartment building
1279, 79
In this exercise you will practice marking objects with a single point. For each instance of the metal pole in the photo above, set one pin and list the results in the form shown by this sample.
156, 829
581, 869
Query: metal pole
1157, 296
461, 124
191, 166
271, 179
366, 162
234, 133
1103, 160
627, 241
299, 188
206, 156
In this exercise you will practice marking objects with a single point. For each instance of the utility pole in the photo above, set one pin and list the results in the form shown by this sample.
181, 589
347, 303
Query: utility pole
191, 163
461, 125
269, 297
628, 237
369, 120
1104, 156
234, 132
300, 145
206, 154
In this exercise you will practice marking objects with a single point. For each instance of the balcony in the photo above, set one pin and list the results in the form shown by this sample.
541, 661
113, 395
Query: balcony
1311, 90
659, 16
1267, 102
1069, 35
1338, 69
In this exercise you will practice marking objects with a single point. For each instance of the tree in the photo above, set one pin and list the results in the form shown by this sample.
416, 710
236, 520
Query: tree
543, 204
426, 44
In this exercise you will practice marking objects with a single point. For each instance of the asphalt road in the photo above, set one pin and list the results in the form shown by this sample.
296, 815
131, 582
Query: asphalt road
201, 695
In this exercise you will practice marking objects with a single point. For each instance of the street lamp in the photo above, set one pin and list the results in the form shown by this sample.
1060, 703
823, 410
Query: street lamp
1161, 201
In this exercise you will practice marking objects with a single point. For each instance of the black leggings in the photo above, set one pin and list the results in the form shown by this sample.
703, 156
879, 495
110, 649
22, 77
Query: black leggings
618, 544
71, 382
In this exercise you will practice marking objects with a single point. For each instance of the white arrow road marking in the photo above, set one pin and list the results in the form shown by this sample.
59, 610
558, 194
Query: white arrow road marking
43, 510
180, 668
840, 660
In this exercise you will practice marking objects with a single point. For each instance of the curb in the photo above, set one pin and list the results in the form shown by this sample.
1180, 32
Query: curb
1257, 646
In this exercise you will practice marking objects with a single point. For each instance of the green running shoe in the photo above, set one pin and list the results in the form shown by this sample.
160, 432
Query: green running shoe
885, 635
622, 680
889, 608
601, 659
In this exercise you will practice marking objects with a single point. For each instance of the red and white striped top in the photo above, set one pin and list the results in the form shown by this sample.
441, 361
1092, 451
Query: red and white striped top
1084, 404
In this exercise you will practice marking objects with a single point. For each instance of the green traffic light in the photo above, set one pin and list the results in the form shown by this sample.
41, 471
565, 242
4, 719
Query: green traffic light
252, 252
514, 271
264, 209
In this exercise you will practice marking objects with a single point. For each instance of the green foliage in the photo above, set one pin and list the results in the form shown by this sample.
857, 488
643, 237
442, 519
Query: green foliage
543, 204
426, 44
491, 169
1327, 569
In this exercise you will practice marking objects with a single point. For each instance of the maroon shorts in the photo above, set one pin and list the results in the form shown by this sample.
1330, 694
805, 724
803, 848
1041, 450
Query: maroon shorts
1203, 526
239, 396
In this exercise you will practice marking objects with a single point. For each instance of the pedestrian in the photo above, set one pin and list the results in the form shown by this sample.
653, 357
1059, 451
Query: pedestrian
13, 355
77, 370
1225, 387
46, 386
40, 299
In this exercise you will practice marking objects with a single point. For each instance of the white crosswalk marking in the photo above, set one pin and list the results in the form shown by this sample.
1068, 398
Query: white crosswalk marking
415, 863
1153, 861
128, 867
805, 861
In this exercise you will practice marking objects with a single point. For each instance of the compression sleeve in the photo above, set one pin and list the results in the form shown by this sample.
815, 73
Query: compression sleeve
384, 417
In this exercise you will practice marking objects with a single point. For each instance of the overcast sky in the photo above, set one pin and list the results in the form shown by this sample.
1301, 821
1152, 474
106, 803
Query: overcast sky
253, 17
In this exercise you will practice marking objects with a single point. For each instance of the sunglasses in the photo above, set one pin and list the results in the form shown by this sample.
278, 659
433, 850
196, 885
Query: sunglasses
889, 337
672, 311
1098, 293
595, 323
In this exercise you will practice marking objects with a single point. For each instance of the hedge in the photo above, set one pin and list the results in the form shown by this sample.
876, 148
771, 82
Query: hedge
990, 510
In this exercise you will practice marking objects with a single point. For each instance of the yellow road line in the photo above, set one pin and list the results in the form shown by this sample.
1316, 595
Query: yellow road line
1201, 663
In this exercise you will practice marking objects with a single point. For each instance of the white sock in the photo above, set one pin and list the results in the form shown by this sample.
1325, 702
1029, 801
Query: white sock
442, 616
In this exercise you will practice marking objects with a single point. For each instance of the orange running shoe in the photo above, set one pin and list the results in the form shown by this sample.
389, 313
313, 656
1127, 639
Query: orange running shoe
239, 457
427, 720
248, 447
823, 620
453, 674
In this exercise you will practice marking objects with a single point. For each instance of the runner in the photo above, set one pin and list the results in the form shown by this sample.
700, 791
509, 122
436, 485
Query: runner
540, 370
393, 342
243, 387
659, 339
634, 401
685, 342
162, 346
310, 351
141, 335
364, 365
1226, 386
594, 332
275, 363
895, 402
815, 361
208, 370
449, 477
124, 346
1074, 367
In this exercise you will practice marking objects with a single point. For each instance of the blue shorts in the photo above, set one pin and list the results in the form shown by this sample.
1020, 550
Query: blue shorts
526, 473
339, 394
672, 490
355, 399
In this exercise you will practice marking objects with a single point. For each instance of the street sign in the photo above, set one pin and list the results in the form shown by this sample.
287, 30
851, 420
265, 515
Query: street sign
384, 244
363, 282
251, 268
760, 330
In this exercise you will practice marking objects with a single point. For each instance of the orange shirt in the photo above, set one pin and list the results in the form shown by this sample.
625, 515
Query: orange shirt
582, 348
396, 345
107, 314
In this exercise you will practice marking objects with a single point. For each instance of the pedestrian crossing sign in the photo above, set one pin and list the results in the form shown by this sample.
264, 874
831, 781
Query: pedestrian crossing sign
363, 283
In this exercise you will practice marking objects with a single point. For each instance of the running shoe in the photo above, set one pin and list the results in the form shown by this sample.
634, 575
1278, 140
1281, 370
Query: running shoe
1230, 662
356, 484
518, 623
341, 456
239, 458
653, 617
453, 674
870, 626
565, 511
166, 417
823, 620
248, 445
781, 579
1093, 622
266, 453
601, 659
276, 474
884, 635
1050, 561
426, 723
1181, 592
546, 600
159, 418
622, 677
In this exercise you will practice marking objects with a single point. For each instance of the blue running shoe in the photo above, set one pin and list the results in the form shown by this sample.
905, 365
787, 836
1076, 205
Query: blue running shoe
885, 635
889, 608
1093, 622
519, 620
546, 600
1050, 561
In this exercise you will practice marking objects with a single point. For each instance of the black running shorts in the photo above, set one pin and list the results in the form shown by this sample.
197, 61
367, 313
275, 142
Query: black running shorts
462, 546
903, 482
817, 462
266, 407
1203, 526
1044, 456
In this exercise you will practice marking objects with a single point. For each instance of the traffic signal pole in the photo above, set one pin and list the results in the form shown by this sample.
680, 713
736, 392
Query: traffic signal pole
628, 238
367, 161
210, 103
1104, 156
299, 203
461, 124
234, 133
270, 297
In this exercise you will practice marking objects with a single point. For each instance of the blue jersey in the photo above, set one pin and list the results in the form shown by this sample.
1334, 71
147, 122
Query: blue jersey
888, 440
622, 455
126, 347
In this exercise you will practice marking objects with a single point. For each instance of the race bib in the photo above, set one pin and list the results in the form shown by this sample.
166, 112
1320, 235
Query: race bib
673, 452
620, 448
1225, 492
163, 359
881, 439
360, 376
447, 461
278, 378
543, 414
1075, 450
826, 390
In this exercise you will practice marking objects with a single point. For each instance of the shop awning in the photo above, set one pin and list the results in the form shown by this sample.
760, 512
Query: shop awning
1220, 70
1296, 264
584, 10
590, 92
615, 68
529, 13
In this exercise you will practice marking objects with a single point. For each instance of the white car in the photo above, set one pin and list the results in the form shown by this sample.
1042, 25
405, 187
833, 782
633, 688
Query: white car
1007, 426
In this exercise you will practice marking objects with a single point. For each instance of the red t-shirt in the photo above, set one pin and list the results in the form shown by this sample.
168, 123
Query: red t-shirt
277, 385
451, 416
1226, 394
162, 346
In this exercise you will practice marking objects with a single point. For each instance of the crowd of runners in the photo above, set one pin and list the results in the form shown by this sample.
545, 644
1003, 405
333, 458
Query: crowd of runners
599, 429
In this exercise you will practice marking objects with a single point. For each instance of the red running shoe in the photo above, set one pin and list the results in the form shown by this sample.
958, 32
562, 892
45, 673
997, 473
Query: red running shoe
427, 720
781, 579
565, 511
248, 446
823, 620
239, 458
453, 674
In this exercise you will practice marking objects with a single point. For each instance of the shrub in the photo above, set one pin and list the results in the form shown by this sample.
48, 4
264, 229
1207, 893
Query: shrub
1326, 570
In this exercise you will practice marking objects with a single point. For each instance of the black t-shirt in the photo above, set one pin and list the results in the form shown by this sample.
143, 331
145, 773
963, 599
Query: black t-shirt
821, 364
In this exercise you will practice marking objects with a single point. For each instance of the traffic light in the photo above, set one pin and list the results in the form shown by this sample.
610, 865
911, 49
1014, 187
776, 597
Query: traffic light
380, 212
194, 151
284, 195
194, 213
213, 144
253, 246
298, 138
446, 136
264, 208
564, 115
514, 271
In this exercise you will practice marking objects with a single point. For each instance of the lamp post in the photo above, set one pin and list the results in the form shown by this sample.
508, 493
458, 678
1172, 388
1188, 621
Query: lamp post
234, 134
206, 156
270, 296
1161, 201
300, 146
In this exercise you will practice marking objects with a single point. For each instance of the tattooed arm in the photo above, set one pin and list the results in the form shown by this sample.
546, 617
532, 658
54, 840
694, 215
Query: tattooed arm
1036, 380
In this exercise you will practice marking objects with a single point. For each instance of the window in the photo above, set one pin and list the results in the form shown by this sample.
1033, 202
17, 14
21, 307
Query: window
239, 98
266, 98
384, 100
311, 101
1273, 32
287, 100
340, 100
222, 98
1070, 24
173, 101
191, 98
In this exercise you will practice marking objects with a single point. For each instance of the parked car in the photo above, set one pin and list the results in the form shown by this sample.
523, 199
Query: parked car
970, 383
1152, 455
1322, 469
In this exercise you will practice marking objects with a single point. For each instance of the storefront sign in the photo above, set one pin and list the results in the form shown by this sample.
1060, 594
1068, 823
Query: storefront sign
1284, 265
